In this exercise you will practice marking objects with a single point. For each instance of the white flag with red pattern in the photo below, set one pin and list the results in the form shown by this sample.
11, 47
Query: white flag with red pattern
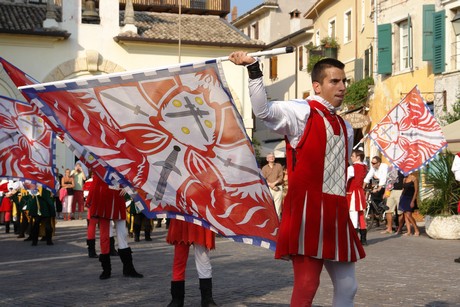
175, 134
409, 135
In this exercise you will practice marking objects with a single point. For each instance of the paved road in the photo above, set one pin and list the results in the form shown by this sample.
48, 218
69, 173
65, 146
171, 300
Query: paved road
398, 271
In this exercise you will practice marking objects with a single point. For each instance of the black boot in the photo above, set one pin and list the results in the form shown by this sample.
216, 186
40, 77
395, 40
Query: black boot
206, 292
147, 234
49, 236
113, 251
104, 259
177, 293
128, 267
159, 223
91, 248
137, 232
363, 233
7, 227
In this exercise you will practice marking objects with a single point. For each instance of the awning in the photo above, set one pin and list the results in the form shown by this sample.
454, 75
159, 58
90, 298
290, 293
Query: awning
452, 135
278, 148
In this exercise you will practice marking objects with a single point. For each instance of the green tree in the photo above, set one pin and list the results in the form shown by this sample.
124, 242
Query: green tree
444, 188
357, 93
454, 115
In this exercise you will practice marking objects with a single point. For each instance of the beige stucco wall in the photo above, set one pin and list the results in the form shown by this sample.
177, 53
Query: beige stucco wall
91, 50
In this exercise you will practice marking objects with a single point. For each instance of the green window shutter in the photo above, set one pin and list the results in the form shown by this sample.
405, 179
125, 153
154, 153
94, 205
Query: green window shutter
439, 42
427, 40
384, 54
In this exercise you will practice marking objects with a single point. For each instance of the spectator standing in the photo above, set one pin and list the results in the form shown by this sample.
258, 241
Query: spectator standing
57, 200
393, 195
355, 193
377, 178
78, 202
407, 203
315, 228
274, 175
66, 194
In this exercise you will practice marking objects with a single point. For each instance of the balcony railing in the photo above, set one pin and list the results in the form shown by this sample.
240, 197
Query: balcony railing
202, 7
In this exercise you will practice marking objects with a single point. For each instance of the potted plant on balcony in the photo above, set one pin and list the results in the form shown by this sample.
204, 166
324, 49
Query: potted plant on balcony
330, 46
440, 206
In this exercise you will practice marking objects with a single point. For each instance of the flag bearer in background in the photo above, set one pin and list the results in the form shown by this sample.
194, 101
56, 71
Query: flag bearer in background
315, 228
107, 203
182, 235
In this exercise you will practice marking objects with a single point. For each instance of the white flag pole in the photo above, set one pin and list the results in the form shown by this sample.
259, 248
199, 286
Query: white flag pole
269, 53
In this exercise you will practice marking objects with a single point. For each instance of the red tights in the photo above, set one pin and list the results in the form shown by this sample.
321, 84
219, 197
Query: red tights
307, 273
180, 261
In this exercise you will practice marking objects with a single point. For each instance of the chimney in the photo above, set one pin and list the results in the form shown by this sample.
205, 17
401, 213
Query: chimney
129, 18
295, 20
234, 13
90, 14
50, 21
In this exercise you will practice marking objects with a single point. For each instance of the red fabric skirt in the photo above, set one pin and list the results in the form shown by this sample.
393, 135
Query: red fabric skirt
180, 232
105, 202
356, 200
6, 205
319, 228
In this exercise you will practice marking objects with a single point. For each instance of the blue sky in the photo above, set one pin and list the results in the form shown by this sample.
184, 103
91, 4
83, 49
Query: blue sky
244, 5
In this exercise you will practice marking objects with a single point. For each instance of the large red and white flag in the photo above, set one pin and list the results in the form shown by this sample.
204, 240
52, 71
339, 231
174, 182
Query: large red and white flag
175, 134
409, 135
27, 144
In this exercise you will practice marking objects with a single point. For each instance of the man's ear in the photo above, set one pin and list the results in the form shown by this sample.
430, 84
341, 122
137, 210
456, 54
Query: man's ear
316, 87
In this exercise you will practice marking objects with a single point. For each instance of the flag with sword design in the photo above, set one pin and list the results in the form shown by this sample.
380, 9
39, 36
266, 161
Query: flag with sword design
409, 136
20, 78
27, 144
175, 134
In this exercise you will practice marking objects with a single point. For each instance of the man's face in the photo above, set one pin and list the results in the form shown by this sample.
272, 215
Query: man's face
354, 157
375, 164
270, 158
333, 86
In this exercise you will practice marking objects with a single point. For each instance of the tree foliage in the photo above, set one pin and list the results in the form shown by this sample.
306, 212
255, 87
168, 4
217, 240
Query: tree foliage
357, 93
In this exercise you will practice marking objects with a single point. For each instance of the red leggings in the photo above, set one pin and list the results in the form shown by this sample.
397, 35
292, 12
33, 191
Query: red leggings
361, 220
307, 272
180, 261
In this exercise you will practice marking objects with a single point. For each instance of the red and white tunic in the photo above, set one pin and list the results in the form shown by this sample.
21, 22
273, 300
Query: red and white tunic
181, 232
355, 192
105, 201
315, 220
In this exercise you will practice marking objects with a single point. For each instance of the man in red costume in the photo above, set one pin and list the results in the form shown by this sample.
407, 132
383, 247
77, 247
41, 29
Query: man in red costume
315, 228
355, 193
107, 203
182, 235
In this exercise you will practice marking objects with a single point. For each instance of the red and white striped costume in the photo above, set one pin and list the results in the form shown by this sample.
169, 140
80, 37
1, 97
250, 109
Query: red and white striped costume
355, 192
315, 220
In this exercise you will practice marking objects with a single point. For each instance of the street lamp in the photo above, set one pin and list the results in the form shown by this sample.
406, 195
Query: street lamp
456, 23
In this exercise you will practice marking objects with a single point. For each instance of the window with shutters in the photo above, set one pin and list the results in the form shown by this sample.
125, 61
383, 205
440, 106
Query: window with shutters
301, 58
439, 42
427, 39
347, 27
331, 28
404, 45
255, 30
368, 65
273, 67
384, 53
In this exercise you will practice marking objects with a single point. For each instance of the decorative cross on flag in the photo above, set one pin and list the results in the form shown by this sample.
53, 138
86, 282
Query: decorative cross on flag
175, 134
27, 144
409, 136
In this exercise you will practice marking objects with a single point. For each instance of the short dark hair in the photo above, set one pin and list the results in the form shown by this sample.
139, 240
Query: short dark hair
317, 74
377, 158
359, 153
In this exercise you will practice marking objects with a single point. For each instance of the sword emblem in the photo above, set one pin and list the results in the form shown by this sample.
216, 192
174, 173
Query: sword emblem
228, 163
169, 165
196, 113
136, 109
